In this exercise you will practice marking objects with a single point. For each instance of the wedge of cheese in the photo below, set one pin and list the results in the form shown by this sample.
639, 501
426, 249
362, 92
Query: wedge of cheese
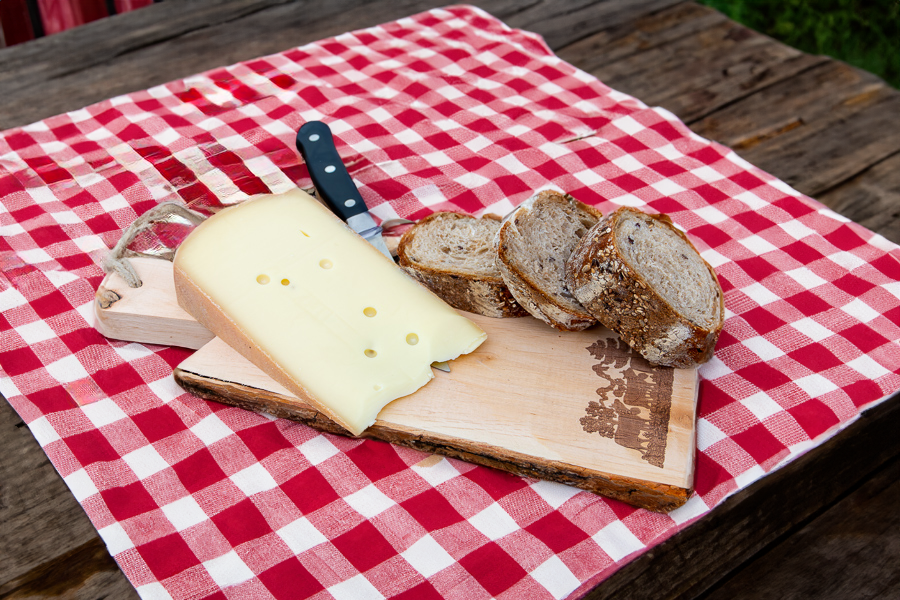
288, 285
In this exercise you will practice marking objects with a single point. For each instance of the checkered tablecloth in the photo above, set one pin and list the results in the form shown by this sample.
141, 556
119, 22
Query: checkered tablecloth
446, 110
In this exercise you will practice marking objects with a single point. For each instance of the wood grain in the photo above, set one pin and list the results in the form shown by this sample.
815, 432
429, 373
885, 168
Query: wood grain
872, 198
561, 23
851, 551
689, 59
171, 40
814, 131
103, 41
87, 572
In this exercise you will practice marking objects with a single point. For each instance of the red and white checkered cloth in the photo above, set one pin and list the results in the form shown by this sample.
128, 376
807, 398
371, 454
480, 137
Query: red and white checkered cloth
449, 109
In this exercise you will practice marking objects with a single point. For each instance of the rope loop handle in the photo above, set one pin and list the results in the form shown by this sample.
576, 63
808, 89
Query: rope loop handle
117, 259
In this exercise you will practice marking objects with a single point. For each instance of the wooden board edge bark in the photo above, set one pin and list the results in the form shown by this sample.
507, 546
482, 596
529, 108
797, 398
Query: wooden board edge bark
644, 494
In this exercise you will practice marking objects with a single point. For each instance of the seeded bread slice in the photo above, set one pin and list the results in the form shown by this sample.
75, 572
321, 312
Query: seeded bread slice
533, 245
642, 278
453, 255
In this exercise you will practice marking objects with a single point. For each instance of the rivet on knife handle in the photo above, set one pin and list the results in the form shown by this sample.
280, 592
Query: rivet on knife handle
332, 181
334, 184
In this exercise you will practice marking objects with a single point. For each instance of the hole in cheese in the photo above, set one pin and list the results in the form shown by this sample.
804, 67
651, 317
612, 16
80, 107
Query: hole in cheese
412, 339
285, 282
262, 279
377, 387
369, 311
371, 353
325, 263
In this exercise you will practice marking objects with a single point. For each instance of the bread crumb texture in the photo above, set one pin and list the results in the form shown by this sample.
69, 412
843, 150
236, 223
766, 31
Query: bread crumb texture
641, 277
453, 254
533, 244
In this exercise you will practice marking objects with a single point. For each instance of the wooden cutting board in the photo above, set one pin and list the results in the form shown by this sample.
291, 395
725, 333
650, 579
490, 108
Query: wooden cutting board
577, 408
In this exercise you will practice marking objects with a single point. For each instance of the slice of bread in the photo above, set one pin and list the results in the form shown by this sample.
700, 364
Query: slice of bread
453, 255
642, 278
533, 244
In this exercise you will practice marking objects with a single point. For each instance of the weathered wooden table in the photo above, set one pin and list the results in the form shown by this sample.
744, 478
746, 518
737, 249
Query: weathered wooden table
826, 525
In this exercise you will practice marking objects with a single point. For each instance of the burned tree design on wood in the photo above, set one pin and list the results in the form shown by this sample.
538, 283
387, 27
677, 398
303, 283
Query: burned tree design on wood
634, 405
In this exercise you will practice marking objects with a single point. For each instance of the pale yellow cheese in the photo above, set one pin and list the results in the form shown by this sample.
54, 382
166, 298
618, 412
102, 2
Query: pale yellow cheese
315, 306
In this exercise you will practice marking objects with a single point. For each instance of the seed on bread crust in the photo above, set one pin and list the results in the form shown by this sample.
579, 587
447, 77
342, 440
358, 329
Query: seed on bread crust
670, 309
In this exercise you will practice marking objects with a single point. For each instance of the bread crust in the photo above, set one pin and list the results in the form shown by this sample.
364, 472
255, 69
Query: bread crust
626, 303
528, 292
481, 294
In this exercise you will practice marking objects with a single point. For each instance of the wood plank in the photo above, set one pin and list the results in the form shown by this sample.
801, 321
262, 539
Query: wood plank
87, 572
872, 198
41, 523
199, 39
562, 23
120, 312
692, 561
105, 40
815, 130
850, 551
688, 59
181, 40
637, 36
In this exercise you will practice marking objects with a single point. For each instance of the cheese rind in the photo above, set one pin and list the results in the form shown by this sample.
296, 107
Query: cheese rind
316, 307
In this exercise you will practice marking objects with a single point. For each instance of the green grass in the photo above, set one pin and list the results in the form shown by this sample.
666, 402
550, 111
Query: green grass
863, 33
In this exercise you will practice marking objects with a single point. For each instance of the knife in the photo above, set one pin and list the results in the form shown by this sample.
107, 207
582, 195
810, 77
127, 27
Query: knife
334, 184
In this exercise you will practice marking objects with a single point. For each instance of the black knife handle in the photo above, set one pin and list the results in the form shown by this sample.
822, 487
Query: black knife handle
333, 183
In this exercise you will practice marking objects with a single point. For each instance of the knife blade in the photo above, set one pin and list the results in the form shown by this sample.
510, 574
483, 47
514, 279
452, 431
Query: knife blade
334, 184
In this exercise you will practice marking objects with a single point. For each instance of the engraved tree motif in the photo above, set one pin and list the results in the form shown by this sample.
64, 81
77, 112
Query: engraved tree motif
633, 407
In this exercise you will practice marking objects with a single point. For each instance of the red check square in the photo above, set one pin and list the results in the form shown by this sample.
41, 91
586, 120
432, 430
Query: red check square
289, 580
90, 447
199, 471
168, 556
158, 423
759, 443
493, 568
376, 459
432, 510
309, 490
814, 417
128, 500
497, 484
557, 532
264, 440
364, 546
241, 523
